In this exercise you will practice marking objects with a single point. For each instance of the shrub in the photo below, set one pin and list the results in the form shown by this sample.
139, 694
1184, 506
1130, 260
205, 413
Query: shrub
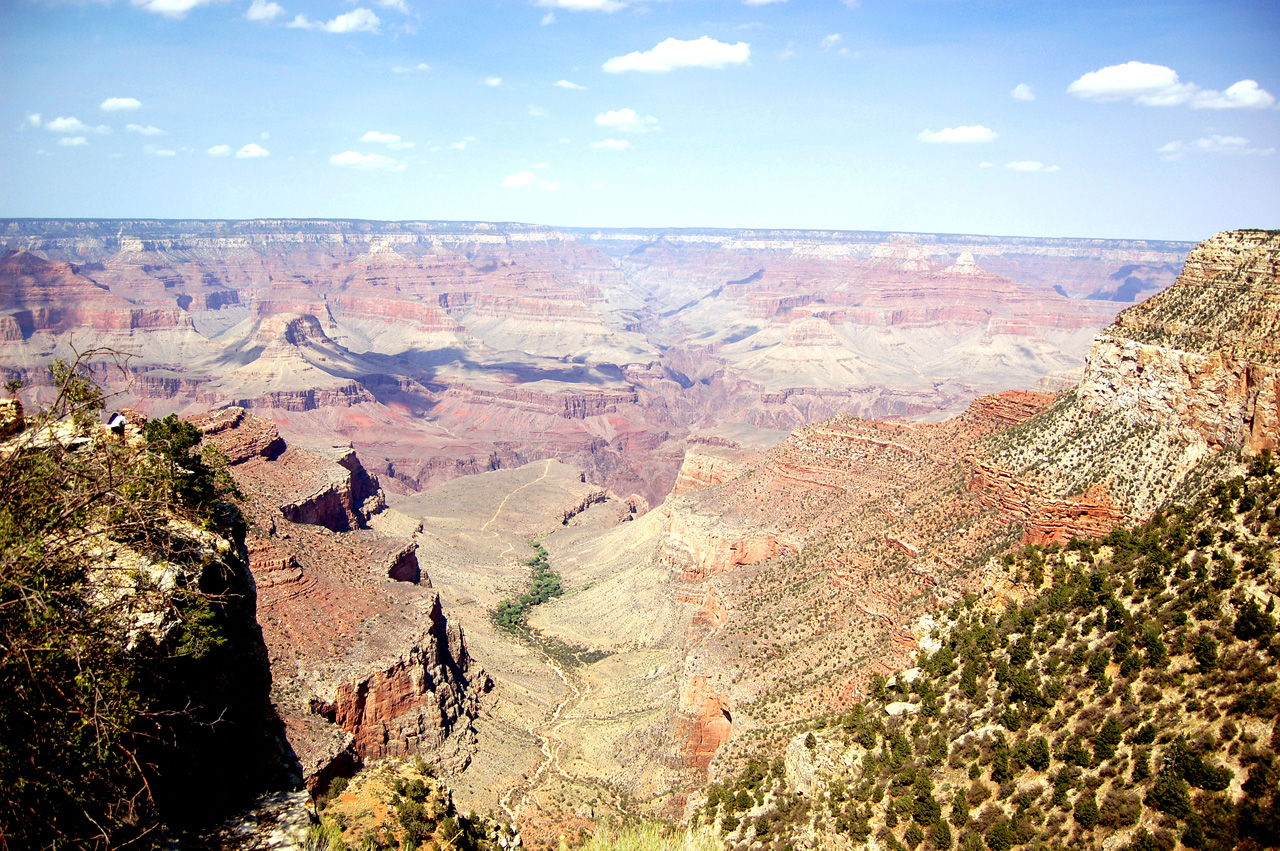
1086, 811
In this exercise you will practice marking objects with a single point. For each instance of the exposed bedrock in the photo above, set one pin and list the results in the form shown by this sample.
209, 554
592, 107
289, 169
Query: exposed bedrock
414, 703
1202, 357
342, 504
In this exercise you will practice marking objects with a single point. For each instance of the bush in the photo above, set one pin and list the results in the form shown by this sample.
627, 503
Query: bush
81, 719
1086, 811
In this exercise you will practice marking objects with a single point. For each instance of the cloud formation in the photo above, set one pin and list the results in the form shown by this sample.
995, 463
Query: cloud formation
522, 179
219, 151
1022, 92
1031, 165
1158, 85
406, 69
119, 104
492, 81
391, 140
366, 162
148, 130
584, 5
612, 144
1213, 144
962, 135
565, 84
355, 21
263, 10
673, 53
252, 151
71, 125
627, 120
73, 141
170, 8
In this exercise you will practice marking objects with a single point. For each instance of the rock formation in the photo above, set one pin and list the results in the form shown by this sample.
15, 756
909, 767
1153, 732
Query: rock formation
364, 662
1204, 356
440, 350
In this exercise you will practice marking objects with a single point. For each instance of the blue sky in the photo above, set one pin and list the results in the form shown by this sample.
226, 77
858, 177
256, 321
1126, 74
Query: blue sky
1109, 119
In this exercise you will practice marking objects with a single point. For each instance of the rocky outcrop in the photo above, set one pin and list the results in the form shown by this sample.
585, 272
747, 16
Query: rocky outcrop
404, 566
1047, 520
1011, 407
704, 722
239, 436
701, 550
1223, 399
704, 467
412, 704
342, 504
1204, 356
594, 498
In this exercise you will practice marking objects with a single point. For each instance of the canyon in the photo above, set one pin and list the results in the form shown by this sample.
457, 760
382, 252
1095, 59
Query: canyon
760, 462
446, 349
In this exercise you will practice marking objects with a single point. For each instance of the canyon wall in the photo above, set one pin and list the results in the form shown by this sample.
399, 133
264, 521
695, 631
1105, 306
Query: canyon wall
443, 349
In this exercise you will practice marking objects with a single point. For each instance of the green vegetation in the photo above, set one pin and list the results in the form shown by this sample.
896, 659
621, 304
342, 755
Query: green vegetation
513, 615
80, 719
1126, 694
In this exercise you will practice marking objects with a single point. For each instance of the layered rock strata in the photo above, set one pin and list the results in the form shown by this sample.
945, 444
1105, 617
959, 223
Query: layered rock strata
364, 662
1203, 357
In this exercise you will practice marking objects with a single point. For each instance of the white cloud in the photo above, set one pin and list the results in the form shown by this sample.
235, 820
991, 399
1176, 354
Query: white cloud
461, 144
355, 21
1213, 144
74, 125
391, 140
119, 104
584, 5
521, 179
548, 19
673, 53
964, 134
1153, 85
252, 151
219, 151
263, 10
627, 120
492, 81
394, 5
145, 131
1157, 85
33, 118
73, 141
406, 69
159, 152
986, 165
538, 111
565, 84
1030, 165
366, 162
612, 144
831, 41
1023, 92
1245, 94
170, 8
761, 2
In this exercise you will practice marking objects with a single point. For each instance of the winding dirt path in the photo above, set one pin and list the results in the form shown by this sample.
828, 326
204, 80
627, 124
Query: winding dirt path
550, 753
